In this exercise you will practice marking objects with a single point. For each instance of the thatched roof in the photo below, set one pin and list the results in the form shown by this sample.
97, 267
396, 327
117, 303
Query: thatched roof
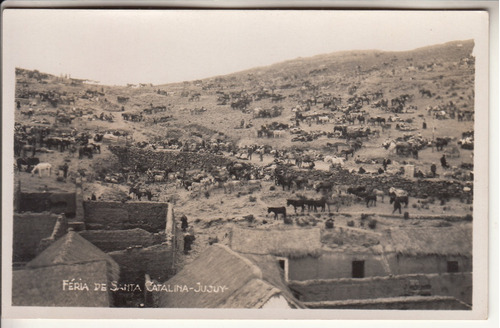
455, 240
352, 240
248, 284
292, 243
44, 286
73, 249
115, 240
253, 295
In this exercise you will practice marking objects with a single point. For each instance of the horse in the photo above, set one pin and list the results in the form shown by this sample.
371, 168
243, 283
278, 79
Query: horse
441, 143
334, 161
140, 193
276, 211
371, 199
379, 193
347, 152
296, 203
301, 182
325, 186
47, 167
339, 200
229, 186
318, 203
85, 151
283, 180
400, 199
358, 191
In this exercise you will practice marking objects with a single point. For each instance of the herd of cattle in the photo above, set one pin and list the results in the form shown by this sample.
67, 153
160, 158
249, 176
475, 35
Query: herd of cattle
348, 122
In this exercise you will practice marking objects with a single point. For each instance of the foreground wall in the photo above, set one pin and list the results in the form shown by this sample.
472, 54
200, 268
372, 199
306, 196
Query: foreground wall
334, 266
156, 261
29, 230
150, 216
48, 202
400, 303
428, 264
457, 285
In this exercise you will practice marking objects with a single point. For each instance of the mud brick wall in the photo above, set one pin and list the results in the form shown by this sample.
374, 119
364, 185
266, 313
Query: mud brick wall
422, 303
457, 285
169, 160
150, 216
420, 188
157, 261
50, 202
115, 240
29, 230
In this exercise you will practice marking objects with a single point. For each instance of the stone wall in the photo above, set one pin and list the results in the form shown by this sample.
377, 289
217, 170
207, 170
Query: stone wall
413, 303
457, 285
150, 216
157, 261
47, 201
115, 240
29, 230
167, 160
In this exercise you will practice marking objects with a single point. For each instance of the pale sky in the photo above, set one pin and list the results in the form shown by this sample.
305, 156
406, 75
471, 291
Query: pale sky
154, 46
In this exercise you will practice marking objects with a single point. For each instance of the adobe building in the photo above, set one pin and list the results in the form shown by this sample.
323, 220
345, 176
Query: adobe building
223, 278
342, 267
66, 274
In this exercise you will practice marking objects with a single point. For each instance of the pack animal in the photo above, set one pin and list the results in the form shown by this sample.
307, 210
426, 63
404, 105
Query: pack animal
276, 211
42, 167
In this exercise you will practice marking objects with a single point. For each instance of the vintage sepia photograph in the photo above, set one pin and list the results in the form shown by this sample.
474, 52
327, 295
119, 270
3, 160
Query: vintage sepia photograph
276, 160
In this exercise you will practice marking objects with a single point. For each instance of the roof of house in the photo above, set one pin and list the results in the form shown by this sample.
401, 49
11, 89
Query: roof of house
352, 240
73, 249
454, 240
294, 243
44, 286
248, 282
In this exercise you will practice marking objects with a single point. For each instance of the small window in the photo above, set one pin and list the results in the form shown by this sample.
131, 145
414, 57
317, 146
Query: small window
452, 266
358, 269
282, 264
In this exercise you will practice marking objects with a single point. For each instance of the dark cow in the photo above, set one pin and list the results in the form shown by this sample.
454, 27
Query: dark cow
85, 151
324, 186
358, 191
276, 211
441, 143
313, 204
371, 199
347, 152
296, 203
284, 180
29, 162
399, 199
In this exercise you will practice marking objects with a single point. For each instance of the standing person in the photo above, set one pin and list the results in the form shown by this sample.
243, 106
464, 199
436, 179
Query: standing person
397, 206
424, 125
184, 223
384, 164
65, 170
250, 152
433, 170
414, 151
261, 155
444, 164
